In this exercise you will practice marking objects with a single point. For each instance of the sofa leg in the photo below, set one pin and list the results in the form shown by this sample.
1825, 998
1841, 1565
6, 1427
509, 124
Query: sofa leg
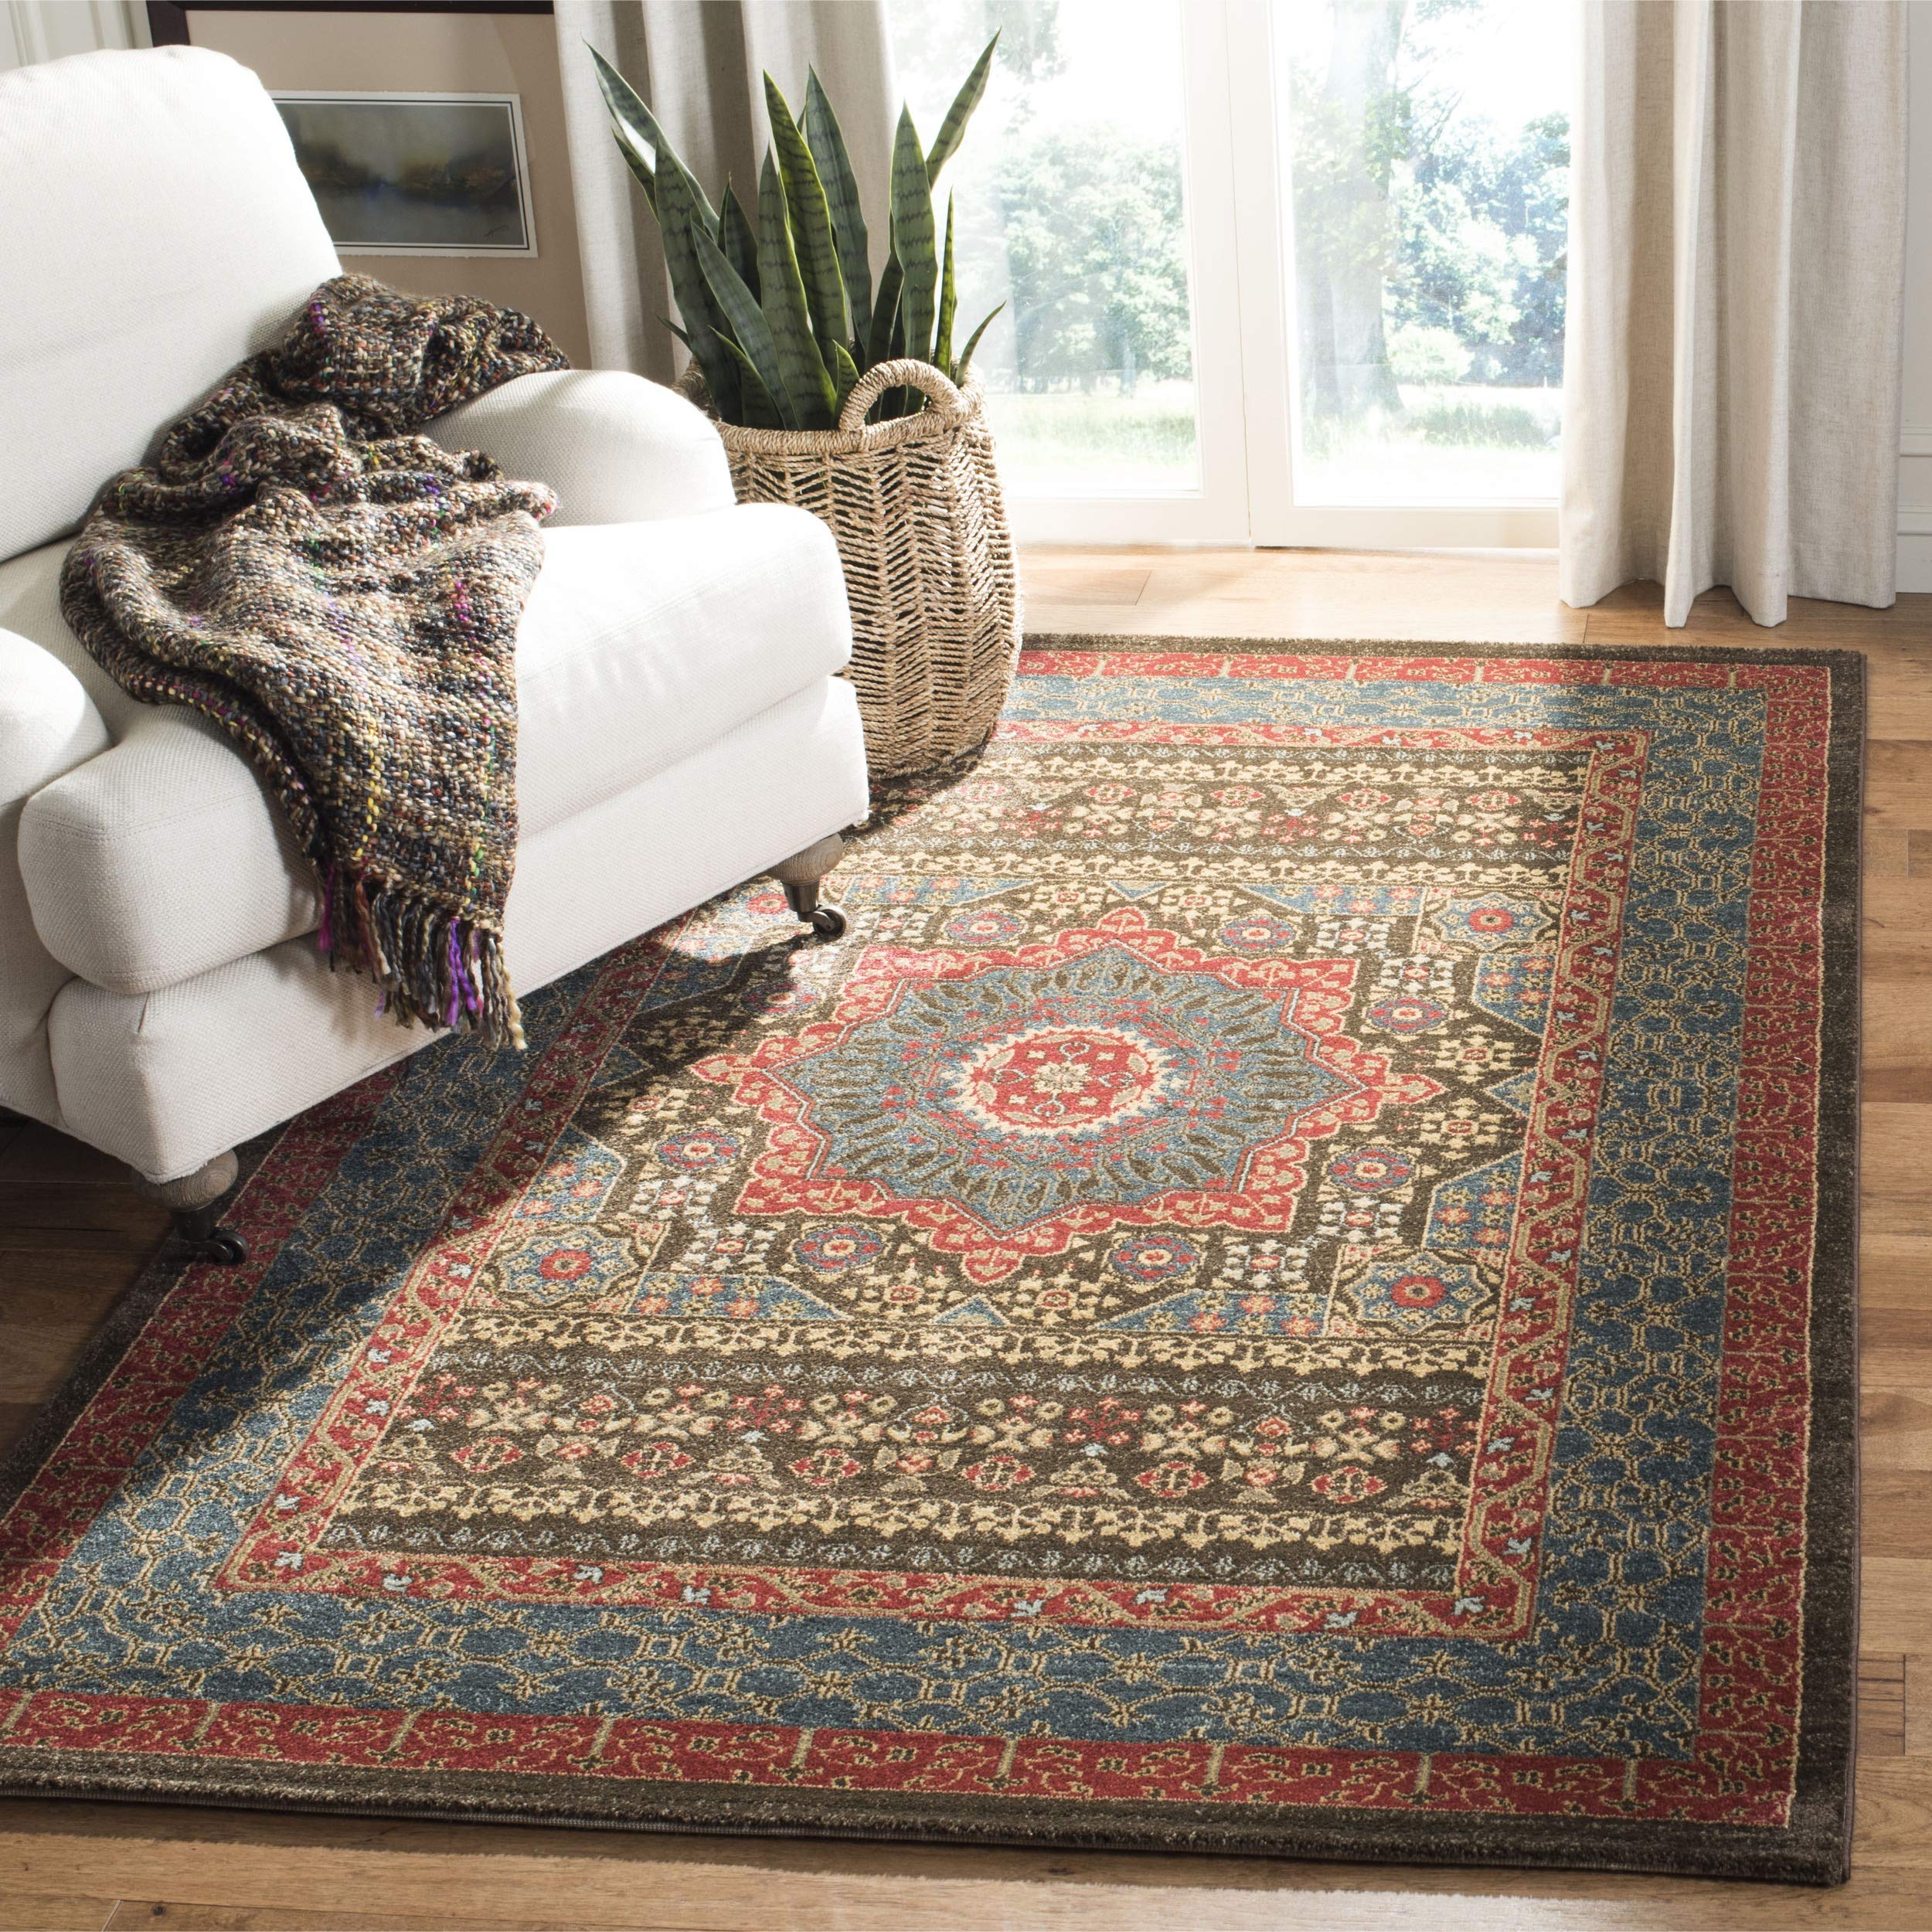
193, 1202
801, 876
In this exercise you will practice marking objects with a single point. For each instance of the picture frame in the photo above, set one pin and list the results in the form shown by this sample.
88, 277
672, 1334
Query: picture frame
168, 19
415, 173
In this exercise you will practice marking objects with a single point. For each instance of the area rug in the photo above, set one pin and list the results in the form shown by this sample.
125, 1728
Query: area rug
1288, 1288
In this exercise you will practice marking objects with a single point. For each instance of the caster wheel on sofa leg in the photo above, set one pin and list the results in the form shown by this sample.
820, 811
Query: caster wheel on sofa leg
223, 1248
192, 1203
801, 876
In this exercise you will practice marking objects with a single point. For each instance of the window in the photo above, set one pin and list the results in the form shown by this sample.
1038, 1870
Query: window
1289, 270
1069, 197
1429, 150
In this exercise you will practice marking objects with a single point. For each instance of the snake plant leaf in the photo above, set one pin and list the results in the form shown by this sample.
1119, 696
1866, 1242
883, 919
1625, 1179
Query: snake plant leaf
972, 342
635, 159
895, 402
679, 225
827, 141
621, 103
913, 239
738, 238
845, 372
811, 224
900, 402
750, 332
761, 411
885, 313
948, 300
947, 141
628, 112
808, 384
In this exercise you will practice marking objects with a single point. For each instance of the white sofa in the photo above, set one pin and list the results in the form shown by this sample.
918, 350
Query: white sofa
681, 726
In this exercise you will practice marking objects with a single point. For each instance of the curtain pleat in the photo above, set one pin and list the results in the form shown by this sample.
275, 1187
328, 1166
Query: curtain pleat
700, 65
1737, 271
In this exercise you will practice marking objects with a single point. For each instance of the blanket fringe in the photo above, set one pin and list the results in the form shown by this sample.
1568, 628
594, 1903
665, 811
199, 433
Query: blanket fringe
433, 966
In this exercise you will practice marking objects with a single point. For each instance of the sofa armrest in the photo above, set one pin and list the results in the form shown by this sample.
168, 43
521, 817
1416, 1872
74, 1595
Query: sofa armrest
48, 725
616, 448
125, 860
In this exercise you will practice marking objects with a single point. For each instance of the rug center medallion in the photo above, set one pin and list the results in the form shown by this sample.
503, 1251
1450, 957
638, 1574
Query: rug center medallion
1055, 1079
1023, 1091
1002, 1103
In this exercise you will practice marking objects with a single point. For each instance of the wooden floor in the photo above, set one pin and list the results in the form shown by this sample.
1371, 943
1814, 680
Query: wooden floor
71, 1234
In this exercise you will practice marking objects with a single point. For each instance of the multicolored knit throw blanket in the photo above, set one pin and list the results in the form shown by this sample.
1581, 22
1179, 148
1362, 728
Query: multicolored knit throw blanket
342, 597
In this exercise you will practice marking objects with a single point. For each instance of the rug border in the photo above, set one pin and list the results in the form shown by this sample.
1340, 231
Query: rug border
1814, 1849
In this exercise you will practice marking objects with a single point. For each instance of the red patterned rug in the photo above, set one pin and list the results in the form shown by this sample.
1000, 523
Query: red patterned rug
1288, 1288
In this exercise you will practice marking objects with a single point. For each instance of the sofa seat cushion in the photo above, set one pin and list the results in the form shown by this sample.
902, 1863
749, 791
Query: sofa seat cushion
641, 644
645, 642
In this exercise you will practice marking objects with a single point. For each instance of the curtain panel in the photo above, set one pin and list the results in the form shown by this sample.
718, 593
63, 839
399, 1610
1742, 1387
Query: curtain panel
700, 64
1736, 267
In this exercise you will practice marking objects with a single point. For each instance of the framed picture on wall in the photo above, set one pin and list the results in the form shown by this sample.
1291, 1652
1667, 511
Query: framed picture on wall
415, 174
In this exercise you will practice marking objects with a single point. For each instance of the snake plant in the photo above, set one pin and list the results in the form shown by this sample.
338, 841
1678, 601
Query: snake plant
778, 307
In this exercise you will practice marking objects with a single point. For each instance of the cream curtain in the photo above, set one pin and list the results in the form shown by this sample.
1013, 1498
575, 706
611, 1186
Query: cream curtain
1737, 265
700, 65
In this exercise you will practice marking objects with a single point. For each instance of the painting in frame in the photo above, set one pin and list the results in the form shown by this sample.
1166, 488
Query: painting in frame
415, 174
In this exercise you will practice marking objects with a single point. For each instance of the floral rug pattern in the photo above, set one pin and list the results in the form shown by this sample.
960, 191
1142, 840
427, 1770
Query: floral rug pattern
1275, 1292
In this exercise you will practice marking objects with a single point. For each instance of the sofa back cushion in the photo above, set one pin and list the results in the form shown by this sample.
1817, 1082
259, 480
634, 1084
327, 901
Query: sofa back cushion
154, 229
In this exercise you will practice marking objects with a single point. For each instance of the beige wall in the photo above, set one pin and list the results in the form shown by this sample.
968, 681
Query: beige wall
442, 53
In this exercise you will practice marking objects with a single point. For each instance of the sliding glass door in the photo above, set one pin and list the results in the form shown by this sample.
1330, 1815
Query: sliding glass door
1078, 204
1290, 272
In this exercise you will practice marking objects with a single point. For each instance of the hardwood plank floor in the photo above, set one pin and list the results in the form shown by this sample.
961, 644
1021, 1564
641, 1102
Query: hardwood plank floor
72, 1233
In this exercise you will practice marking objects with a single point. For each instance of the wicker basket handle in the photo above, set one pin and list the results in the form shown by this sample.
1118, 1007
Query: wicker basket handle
907, 372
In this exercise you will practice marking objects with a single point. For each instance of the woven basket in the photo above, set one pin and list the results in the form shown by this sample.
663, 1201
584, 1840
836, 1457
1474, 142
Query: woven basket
915, 507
